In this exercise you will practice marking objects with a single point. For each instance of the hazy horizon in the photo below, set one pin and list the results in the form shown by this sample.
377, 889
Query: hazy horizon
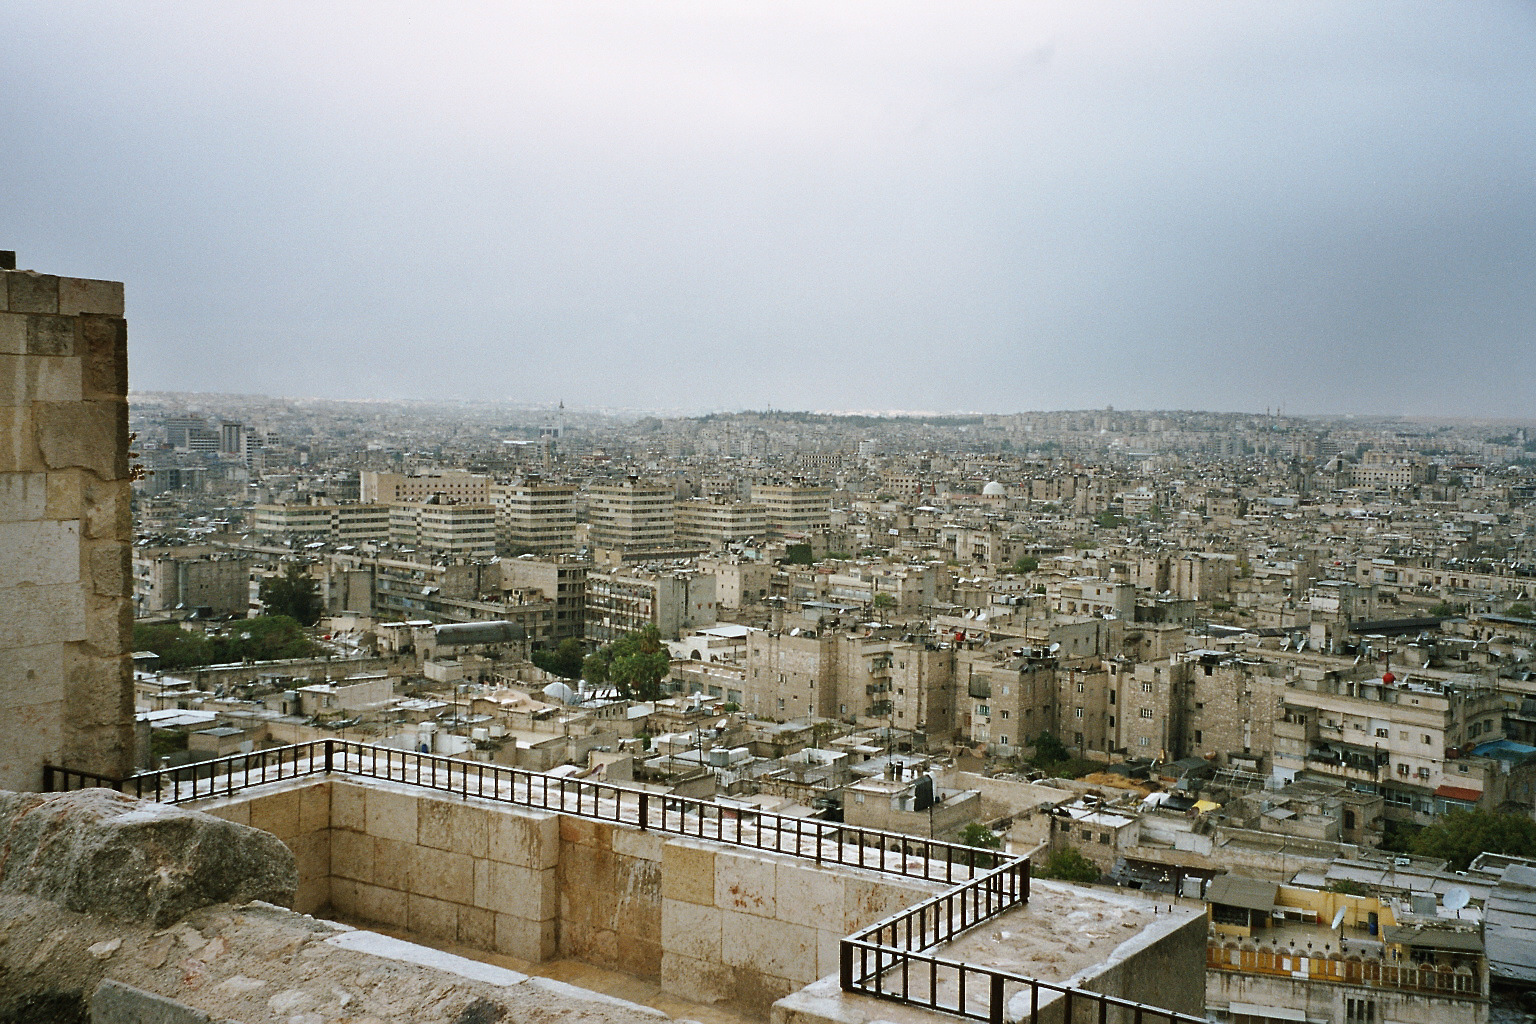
1324, 207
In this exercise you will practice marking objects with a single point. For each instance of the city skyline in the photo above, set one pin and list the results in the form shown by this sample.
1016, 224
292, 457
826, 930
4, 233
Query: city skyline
687, 208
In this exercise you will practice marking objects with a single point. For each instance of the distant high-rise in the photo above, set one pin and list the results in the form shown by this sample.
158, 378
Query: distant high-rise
631, 514
534, 516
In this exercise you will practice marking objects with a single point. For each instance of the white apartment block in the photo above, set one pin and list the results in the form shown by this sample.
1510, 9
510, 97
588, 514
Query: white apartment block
631, 514
335, 524
453, 531
456, 485
535, 517
795, 509
713, 523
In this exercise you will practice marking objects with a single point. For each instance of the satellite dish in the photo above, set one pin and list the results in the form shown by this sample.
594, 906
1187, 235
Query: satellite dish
1338, 919
1456, 897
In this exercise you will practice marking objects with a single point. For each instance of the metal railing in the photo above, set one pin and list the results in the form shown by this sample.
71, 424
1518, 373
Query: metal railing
890, 960
1365, 971
890, 853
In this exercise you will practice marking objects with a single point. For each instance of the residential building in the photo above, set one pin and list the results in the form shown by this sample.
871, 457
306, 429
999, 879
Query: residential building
439, 528
794, 509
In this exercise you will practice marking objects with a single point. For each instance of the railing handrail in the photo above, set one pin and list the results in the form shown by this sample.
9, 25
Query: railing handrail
222, 774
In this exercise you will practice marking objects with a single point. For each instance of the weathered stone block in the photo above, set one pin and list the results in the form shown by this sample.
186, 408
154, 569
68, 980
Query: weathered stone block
460, 828
442, 875
392, 864
23, 496
631, 842
108, 510
343, 895
828, 944
51, 336
108, 624
688, 872
786, 950
32, 675
392, 815
432, 919
315, 807
277, 813
349, 806
114, 1002
35, 735
351, 855
697, 980
13, 333
99, 852
41, 615
639, 958
866, 900
31, 292
83, 295
39, 553
101, 342
533, 893
110, 565
477, 928
39, 379
690, 929
311, 855
19, 450
745, 883
88, 435
534, 941
527, 839
638, 910
810, 896
313, 894
386, 906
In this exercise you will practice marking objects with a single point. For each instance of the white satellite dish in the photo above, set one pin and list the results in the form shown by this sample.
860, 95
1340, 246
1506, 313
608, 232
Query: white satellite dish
1338, 919
1455, 898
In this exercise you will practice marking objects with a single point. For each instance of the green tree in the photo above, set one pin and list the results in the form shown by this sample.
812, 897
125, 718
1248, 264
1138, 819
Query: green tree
294, 593
635, 664
977, 834
594, 667
884, 601
1029, 563
1459, 836
1519, 610
265, 638
564, 660
798, 554
1049, 750
1069, 866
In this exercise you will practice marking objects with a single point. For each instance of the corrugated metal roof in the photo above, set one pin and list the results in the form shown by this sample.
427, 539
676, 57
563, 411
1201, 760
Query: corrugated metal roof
1237, 891
1434, 938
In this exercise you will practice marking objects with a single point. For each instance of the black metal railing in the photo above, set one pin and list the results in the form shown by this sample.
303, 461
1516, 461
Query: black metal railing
890, 960
891, 853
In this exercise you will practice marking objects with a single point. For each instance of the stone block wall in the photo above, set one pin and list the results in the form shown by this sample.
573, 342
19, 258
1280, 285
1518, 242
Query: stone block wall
301, 817
66, 687
446, 870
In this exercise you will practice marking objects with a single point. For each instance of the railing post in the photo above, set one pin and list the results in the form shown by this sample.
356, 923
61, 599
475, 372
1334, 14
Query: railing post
997, 1001
644, 808
328, 750
845, 965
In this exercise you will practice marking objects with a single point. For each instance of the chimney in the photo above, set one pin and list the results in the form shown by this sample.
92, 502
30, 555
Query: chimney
7, 259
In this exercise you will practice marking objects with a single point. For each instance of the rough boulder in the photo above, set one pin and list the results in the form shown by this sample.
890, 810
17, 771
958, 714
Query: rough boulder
99, 852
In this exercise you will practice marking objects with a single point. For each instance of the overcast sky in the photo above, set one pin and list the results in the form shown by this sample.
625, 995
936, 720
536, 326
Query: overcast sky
995, 206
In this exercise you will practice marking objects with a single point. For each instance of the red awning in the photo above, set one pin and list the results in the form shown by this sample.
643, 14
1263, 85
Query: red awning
1471, 796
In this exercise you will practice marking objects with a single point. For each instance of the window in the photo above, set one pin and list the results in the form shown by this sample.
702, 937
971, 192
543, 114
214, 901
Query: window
1359, 1011
1003, 739
1198, 738
1402, 734
1077, 712
1104, 837
1402, 769
1079, 687
1111, 696
1077, 739
1146, 687
1382, 733
1005, 716
1111, 721
1143, 742
1146, 713
1425, 740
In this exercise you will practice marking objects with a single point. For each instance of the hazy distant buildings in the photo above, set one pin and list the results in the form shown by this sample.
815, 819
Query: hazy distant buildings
191, 581
332, 524
630, 516
387, 488
715, 522
796, 508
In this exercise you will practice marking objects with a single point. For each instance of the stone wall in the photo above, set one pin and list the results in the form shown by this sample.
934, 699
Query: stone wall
708, 922
66, 693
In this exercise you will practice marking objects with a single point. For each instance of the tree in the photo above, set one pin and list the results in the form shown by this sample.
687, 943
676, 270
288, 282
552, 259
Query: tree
798, 554
1069, 866
1518, 610
1029, 563
977, 834
294, 594
1459, 836
565, 660
884, 601
635, 664
1049, 750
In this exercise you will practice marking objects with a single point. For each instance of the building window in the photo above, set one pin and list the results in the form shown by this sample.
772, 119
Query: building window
1146, 712
1005, 716
1003, 739
1079, 687
1198, 738
1146, 687
1402, 769
1077, 712
1143, 742
1359, 1011
1111, 696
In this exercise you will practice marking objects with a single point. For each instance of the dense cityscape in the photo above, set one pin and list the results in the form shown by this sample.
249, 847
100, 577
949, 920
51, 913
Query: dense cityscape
1149, 648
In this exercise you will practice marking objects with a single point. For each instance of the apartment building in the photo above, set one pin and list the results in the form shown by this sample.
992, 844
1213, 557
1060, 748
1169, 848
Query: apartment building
439, 528
192, 581
796, 508
534, 516
456, 485
314, 521
631, 515
1400, 738
712, 523
562, 580
620, 601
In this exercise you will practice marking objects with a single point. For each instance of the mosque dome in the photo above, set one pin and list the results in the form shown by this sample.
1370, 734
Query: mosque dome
993, 489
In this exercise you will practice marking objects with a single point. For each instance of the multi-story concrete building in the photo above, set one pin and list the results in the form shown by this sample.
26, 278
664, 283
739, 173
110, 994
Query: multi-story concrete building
631, 516
796, 508
534, 516
201, 582
442, 529
334, 524
388, 488
621, 601
562, 580
713, 523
